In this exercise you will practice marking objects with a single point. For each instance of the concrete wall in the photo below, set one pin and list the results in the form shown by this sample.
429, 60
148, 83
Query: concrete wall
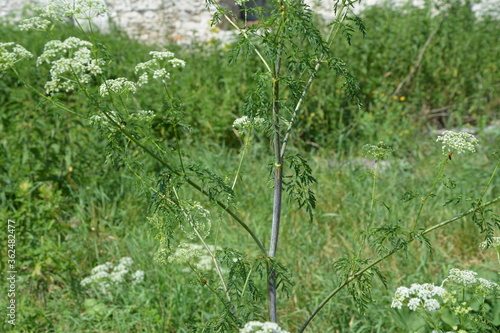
181, 20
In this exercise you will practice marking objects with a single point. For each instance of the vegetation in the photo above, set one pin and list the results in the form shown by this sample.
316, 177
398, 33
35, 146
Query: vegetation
82, 198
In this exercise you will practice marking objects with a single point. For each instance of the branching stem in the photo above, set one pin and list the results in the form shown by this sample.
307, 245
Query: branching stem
390, 253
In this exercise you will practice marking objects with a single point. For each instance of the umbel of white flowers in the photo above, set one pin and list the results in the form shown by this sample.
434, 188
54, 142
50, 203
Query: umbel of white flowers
258, 327
425, 296
109, 275
457, 142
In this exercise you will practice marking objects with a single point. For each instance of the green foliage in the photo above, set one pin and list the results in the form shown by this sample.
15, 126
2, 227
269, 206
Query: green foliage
71, 204
299, 185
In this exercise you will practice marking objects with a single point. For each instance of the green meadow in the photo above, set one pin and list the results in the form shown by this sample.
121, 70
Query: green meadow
75, 207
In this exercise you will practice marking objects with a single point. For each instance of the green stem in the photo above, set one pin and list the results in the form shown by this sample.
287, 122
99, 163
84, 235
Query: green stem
374, 184
243, 153
390, 253
489, 181
207, 248
244, 33
424, 200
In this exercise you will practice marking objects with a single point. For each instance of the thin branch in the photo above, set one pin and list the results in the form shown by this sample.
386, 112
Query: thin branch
342, 14
360, 272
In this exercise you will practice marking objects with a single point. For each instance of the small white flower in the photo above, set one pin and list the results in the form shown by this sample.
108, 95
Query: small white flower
34, 23
72, 64
86, 281
414, 303
494, 244
402, 292
161, 74
485, 287
60, 10
161, 55
379, 151
464, 278
11, 53
102, 268
119, 86
431, 304
457, 142
397, 303
142, 116
258, 327
177, 63
247, 123
137, 277
157, 67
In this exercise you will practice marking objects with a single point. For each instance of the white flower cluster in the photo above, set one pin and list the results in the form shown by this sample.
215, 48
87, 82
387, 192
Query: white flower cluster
10, 53
418, 296
110, 275
142, 116
119, 86
258, 327
422, 296
457, 142
379, 151
195, 254
468, 279
139, 117
247, 123
60, 10
35, 23
155, 67
101, 121
494, 244
72, 64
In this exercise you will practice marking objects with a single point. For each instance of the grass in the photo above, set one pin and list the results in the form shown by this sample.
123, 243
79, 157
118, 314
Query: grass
75, 211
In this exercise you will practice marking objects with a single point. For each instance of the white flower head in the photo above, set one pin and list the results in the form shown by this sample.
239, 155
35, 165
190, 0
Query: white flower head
119, 86
156, 67
431, 304
418, 295
246, 123
101, 121
486, 287
195, 254
34, 23
186, 251
457, 142
380, 151
258, 327
11, 53
72, 64
495, 243
137, 277
463, 278
177, 63
413, 303
110, 275
61, 10
142, 116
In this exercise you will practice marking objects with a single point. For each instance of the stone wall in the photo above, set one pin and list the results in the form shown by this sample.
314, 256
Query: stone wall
157, 21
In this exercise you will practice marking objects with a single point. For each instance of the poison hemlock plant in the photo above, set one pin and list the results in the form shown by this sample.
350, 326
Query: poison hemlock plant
462, 303
291, 50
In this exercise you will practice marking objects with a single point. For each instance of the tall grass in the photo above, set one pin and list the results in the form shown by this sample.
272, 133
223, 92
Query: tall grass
76, 211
